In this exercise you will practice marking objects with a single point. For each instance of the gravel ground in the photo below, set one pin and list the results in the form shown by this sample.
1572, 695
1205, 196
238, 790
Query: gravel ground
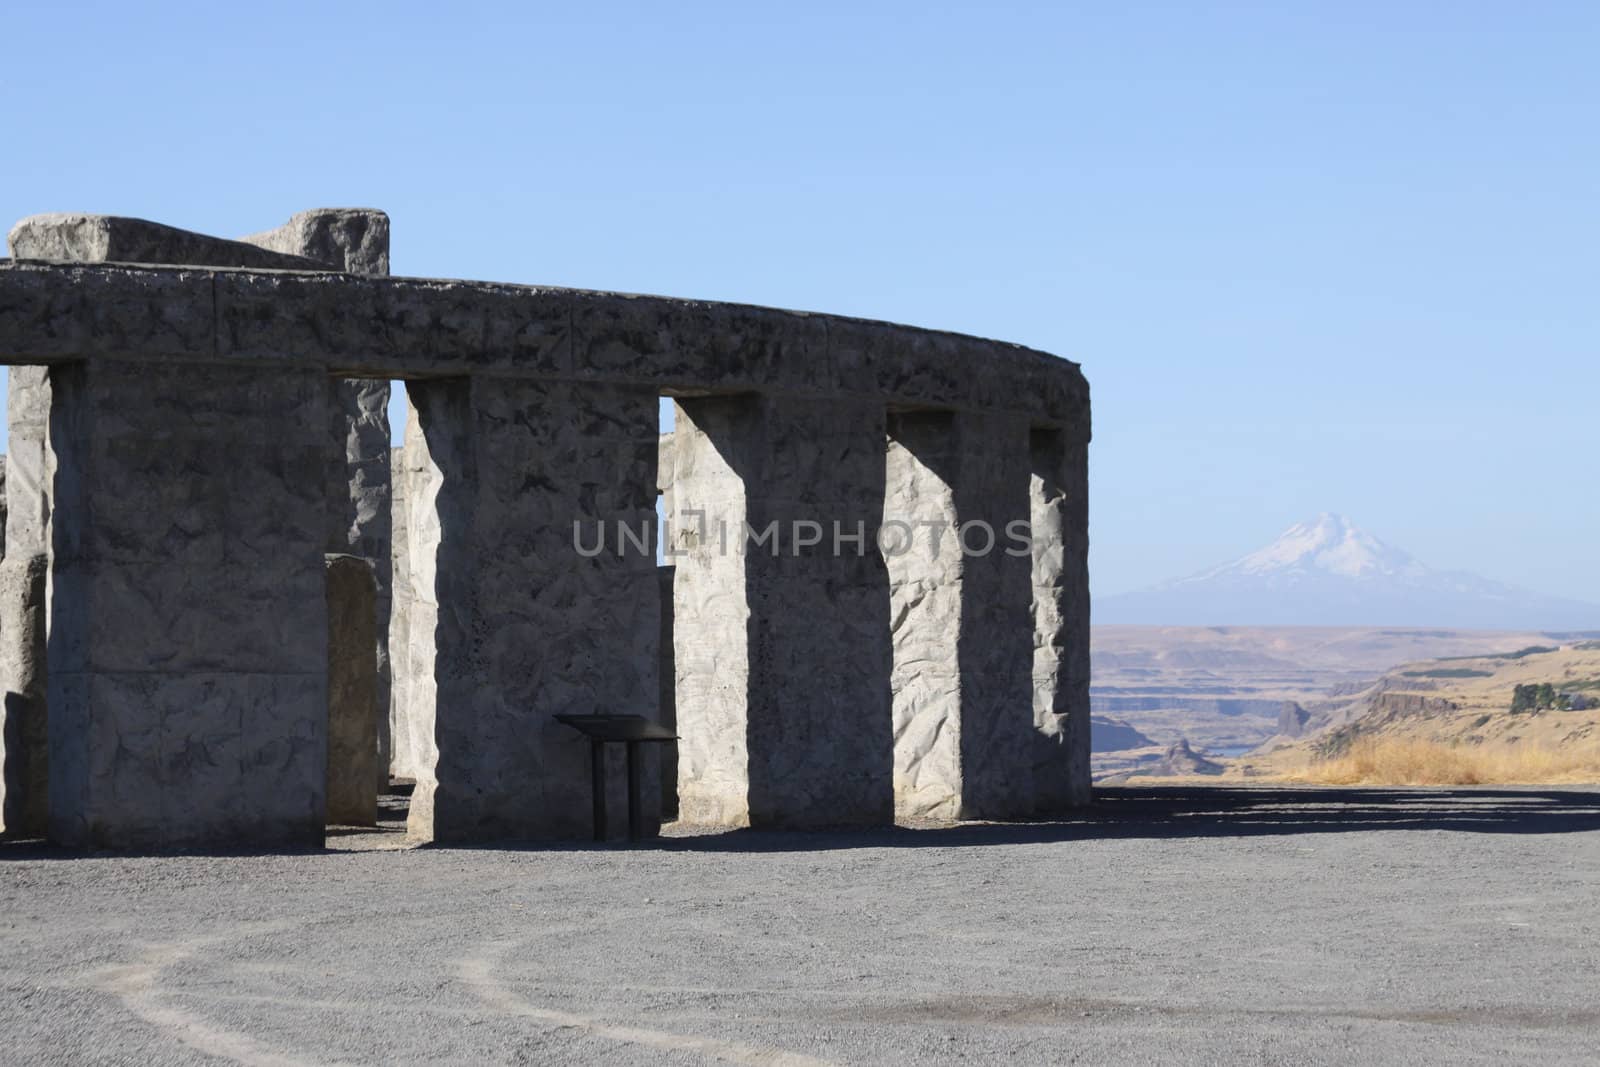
1165, 926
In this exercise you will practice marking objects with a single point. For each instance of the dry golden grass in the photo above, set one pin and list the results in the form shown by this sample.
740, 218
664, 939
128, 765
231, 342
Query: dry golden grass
1412, 761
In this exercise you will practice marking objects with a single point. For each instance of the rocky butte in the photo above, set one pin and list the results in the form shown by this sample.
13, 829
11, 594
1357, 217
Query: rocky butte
230, 614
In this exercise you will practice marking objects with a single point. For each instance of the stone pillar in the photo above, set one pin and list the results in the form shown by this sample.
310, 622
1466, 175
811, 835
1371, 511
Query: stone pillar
24, 740
924, 565
350, 239
27, 481
996, 617
360, 520
515, 621
403, 748
26, 485
24, 618
1060, 514
665, 465
352, 692
355, 240
955, 510
188, 639
667, 687
781, 648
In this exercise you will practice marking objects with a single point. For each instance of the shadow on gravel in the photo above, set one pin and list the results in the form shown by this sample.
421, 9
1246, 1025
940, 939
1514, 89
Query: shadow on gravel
1206, 811
1153, 812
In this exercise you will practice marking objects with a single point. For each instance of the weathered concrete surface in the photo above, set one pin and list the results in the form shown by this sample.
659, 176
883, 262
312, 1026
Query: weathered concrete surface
962, 624
352, 692
416, 480
406, 748
711, 614
24, 737
188, 640
403, 327
27, 479
353, 239
360, 517
800, 728
996, 617
1330, 928
924, 564
75, 238
956, 484
667, 713
1059, 505
666, 465
523, 625
78, 238
783, 660
24, 611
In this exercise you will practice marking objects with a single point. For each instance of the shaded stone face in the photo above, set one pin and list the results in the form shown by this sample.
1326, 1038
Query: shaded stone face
191, 439
24, 737
1058, 491
781, 649
511, 624
352, 692
188, 630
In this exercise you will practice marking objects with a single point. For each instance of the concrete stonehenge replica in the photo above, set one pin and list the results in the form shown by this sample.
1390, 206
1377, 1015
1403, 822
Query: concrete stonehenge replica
229, 613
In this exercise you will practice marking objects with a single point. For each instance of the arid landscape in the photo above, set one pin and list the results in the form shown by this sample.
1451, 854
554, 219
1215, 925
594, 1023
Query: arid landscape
1346, 705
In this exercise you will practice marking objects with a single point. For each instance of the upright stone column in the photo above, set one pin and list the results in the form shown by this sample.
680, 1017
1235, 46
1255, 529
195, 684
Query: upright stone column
520, 616
24, 737
23, 615
2, 506
360, 521
665, 465
355, 240
27, 479
417, 480
1060, 514
352, 692
668, 696
924, 562
188, 639
403, 758
996, 616
781, 647
955, 512
350, 239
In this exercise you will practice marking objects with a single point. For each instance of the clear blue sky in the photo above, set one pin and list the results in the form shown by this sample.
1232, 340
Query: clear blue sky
1335, 256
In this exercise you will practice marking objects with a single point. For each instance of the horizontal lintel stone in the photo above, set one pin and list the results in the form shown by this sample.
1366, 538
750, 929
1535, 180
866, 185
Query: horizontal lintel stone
420, 328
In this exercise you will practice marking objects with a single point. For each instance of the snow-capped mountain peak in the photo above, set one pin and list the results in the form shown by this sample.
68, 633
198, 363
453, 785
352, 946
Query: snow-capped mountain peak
1330, 572
1328, 544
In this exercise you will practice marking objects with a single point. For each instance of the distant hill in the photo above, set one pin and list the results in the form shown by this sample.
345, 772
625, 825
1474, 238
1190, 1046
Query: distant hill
1458, 701
1114, 735
1225, 687
1328, 572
